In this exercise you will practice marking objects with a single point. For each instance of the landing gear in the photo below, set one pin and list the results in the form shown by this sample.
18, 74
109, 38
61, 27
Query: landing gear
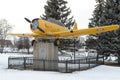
57, 42
32, 43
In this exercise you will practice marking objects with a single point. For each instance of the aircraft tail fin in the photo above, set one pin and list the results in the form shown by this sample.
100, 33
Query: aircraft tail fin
75, 26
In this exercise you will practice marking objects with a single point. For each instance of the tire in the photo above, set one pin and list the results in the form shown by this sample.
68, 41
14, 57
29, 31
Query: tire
57, 42
32, 43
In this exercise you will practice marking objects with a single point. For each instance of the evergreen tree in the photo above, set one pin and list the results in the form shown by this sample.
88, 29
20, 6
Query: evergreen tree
98, 18
91, 43
58, 10
108, 43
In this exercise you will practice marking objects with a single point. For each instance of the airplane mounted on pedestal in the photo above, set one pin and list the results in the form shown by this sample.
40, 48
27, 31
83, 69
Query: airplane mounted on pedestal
52, 29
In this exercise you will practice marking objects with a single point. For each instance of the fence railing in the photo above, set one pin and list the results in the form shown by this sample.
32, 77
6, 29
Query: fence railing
54, 65
16, 52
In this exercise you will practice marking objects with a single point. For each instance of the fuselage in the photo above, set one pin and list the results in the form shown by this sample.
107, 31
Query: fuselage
44, 28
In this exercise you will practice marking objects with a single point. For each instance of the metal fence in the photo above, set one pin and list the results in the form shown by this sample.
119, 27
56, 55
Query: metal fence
54, 65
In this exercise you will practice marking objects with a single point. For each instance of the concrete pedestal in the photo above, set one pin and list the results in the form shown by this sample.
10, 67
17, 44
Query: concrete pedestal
45, 52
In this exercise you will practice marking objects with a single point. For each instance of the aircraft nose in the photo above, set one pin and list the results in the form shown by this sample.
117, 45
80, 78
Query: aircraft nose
34, 24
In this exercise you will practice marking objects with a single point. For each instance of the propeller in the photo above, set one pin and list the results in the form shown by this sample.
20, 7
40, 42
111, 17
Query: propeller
27, 20
31, 22
41, 29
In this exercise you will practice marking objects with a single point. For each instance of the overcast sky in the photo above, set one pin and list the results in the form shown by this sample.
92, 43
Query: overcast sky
15, 10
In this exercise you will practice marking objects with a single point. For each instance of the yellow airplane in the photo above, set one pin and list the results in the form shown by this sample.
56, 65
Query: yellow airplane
52, 29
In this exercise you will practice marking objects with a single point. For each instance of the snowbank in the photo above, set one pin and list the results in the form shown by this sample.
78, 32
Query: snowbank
97, 73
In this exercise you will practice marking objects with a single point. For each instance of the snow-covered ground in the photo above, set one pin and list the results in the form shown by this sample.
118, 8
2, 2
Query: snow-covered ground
98, 73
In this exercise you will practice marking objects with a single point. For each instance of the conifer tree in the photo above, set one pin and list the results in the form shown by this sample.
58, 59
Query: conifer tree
108, 43
98, 19
58, 10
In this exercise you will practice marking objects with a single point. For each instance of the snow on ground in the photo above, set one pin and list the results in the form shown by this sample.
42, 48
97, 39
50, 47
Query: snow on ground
98, 73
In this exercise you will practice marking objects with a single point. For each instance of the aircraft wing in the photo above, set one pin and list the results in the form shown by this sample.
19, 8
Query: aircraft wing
71, 34
80, 32
24, 34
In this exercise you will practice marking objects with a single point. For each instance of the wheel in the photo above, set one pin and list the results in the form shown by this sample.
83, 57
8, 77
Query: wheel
32, 43
57, 42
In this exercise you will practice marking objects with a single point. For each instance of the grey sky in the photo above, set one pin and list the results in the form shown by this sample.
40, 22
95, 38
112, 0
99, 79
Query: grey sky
15, 10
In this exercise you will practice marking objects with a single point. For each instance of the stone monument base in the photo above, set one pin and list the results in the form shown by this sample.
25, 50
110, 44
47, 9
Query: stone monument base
45, 55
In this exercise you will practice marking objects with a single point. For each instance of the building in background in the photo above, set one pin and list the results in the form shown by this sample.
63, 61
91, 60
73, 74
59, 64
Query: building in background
6, 43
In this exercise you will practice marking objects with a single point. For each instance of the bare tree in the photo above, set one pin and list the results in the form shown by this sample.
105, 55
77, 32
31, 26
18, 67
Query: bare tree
23, 43
4, 28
